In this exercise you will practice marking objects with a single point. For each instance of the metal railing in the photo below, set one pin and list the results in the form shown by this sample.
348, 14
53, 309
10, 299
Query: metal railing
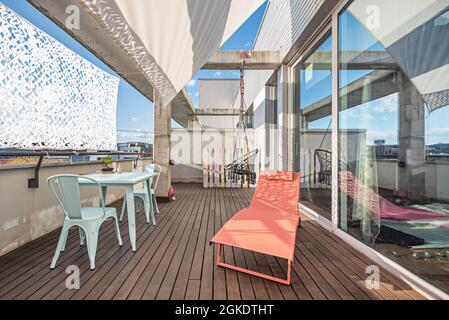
33, 183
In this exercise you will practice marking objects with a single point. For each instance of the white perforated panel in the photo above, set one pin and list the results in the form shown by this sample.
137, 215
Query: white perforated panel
50, 97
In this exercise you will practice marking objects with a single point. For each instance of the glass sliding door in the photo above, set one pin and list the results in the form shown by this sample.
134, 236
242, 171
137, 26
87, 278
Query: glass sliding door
314, 117
394, 131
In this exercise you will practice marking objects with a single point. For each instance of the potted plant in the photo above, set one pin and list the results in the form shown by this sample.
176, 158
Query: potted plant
106, 164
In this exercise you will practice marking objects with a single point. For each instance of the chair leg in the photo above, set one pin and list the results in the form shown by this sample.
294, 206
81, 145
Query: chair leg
152, 213
82, 236
66, 235
117, 232
60, 246
92, 243
122, 215
220, 263
146, 204
155, 204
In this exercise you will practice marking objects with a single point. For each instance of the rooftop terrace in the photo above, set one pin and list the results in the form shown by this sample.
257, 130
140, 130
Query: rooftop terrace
176, 261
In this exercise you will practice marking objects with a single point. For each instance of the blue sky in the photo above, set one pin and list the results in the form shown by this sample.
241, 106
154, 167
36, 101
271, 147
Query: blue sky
134, 111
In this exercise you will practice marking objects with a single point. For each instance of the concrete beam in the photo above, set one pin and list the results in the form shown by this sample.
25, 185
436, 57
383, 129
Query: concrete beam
182, 109
216, 112
382, 84
355, 60
254, 60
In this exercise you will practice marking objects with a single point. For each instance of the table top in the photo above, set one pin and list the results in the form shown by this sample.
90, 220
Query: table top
124, 178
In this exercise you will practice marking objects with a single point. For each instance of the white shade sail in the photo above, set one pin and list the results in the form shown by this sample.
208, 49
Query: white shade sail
170, 40
415, 34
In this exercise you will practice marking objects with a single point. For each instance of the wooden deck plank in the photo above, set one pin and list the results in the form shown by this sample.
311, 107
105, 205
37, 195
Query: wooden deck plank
387, 290
194, 283
232, 281
352, 285
148, 265
219, 284
182, 281
175, 260
123, 283
207, 274
168, 267
231, 208
342, 266
182, 277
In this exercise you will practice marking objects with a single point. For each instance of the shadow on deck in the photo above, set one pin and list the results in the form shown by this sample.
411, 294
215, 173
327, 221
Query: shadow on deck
175, 261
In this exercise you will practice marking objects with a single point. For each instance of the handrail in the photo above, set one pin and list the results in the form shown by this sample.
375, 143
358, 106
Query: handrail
33, 183
41, 153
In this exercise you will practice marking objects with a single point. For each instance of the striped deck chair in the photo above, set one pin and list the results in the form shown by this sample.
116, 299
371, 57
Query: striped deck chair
269, 225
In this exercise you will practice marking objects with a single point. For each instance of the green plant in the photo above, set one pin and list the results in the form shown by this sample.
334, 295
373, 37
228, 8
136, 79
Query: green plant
106, 161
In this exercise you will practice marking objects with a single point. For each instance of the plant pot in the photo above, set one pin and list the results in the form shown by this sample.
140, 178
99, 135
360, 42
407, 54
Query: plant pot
107, 170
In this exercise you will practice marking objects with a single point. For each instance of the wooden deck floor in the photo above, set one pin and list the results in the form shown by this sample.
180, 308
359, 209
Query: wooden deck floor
175, 261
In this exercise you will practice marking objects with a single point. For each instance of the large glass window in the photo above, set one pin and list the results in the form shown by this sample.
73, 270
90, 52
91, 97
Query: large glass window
314, 97
394, 131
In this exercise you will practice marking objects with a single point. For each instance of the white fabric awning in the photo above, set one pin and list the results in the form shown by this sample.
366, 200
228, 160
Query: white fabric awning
415, 34
171, 40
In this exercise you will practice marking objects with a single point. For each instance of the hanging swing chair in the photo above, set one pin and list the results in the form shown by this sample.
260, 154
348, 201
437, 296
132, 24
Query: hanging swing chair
242, 168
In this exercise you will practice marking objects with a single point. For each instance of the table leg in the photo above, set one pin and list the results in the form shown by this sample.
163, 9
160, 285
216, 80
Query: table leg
131, 216
104, 191
149, 184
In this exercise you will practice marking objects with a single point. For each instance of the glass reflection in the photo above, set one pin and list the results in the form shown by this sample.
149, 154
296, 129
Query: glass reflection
394, 134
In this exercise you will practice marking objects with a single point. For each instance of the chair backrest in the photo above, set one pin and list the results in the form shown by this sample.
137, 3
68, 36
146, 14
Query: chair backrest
279, 189
153, 168
67, 191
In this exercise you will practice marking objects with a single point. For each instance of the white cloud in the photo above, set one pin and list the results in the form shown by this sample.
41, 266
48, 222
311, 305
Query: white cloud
248, 44
197, 94
134, 119
386, 105
218, 74
191, 83
439, 130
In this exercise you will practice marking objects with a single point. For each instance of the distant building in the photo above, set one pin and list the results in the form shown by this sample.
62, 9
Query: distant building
438, 149
384, 151
135, 147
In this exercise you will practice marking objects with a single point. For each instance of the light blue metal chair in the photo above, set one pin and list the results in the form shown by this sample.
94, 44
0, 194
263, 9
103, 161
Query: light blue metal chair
88, 220
143, 194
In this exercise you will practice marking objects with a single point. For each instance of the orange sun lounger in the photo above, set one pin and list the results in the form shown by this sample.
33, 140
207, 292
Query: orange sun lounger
269, 225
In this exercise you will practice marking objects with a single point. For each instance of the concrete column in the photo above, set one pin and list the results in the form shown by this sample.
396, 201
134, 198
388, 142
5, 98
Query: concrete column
272, 128
268, 127
162, 144
412, 157
284, 115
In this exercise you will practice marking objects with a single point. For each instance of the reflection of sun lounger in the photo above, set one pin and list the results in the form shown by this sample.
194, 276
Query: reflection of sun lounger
379, 206
431, 227
269, 225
